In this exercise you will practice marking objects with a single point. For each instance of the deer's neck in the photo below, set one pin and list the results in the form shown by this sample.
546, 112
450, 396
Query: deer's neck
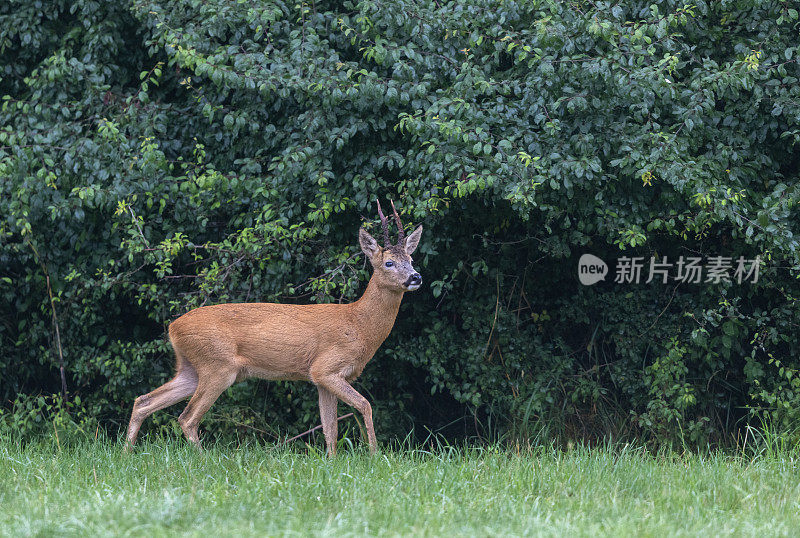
377, 310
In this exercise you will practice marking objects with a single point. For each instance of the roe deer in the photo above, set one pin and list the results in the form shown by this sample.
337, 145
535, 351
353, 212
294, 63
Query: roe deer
327, 344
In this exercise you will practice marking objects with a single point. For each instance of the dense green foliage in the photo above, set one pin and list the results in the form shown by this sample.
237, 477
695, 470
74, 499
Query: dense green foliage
170, 489
156, 156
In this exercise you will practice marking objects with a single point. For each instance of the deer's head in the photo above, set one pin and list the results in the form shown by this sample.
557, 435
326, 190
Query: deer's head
392, 262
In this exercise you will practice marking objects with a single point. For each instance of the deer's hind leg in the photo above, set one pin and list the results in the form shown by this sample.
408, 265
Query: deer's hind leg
178, 388
211, 384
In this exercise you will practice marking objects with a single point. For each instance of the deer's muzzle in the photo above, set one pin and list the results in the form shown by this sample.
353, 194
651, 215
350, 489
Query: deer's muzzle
413, 282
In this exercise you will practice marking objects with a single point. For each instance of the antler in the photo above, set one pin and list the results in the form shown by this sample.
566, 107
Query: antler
384, 224
401, 235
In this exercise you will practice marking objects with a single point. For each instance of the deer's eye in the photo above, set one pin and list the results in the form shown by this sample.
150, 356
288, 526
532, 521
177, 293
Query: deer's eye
390, 263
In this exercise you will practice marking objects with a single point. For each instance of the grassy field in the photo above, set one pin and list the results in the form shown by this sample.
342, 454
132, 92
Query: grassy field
166, 488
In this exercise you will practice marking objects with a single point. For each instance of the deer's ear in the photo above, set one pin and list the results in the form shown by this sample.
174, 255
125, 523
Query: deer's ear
412, 241
367, 242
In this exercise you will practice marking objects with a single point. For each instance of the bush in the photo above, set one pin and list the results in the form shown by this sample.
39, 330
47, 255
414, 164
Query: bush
158, 156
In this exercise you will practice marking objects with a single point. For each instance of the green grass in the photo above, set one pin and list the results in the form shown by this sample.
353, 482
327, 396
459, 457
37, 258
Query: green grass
166, 488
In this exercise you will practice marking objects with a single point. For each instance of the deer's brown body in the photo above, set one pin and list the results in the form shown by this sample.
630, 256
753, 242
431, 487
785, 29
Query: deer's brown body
327, 344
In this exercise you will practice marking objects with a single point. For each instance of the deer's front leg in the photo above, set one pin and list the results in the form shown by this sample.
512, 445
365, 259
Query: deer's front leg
342, 390
327, 413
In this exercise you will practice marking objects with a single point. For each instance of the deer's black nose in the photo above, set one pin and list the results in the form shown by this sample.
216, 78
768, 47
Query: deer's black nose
415, 280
